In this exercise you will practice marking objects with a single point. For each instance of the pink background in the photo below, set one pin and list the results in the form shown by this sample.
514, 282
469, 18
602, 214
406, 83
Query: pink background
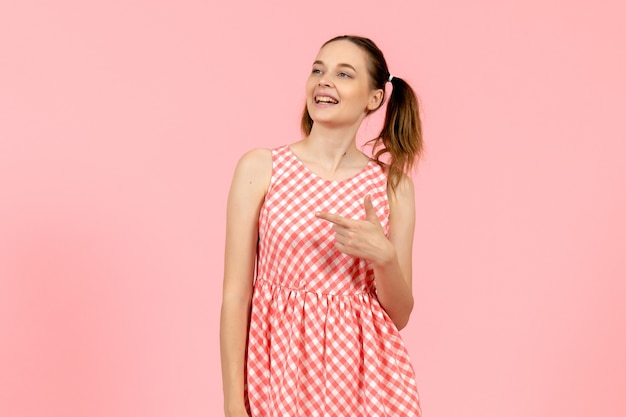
121, 123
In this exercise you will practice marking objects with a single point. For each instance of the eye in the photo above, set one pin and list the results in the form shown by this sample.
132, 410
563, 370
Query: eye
316, 71
344, 75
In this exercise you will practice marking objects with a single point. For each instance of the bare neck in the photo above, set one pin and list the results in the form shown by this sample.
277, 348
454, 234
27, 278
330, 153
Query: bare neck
331, 148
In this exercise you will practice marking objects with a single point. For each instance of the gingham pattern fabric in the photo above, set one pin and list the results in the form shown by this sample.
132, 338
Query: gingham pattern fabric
319, 342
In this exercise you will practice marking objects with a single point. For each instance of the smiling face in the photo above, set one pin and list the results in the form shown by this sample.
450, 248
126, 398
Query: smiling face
339, 91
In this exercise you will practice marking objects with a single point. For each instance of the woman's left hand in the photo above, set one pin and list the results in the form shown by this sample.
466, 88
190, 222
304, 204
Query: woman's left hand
361, 238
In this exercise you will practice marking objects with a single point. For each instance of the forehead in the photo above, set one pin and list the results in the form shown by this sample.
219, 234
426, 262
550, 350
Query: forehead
342, 51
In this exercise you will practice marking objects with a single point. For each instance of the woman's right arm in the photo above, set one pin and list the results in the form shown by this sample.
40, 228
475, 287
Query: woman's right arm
247, 192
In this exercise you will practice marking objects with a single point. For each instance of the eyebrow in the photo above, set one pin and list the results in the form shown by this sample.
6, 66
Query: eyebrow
318, 62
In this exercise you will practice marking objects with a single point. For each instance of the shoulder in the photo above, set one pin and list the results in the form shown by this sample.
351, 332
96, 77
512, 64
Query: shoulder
405, 189
258, 159
254, 168
402, 199
256, 163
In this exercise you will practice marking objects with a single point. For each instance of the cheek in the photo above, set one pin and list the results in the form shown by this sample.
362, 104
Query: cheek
310, 85
357, 96
358, 92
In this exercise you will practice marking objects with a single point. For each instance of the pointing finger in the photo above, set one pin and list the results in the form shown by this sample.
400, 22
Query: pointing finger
334, 218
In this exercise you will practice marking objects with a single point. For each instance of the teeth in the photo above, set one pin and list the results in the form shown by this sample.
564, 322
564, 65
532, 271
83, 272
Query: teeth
324, 99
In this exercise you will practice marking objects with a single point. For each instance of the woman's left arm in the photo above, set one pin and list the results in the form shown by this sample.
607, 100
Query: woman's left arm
390, 256
394, 273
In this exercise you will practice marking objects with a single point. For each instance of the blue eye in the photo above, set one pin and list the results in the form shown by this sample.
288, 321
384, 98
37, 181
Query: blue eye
344, 75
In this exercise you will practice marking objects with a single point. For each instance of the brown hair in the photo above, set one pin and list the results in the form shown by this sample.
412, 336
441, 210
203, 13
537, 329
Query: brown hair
401, 135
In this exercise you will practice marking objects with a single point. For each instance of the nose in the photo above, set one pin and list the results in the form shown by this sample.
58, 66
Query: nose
323, 81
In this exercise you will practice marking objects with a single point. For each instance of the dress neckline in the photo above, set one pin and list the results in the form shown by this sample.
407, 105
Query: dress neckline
307, 170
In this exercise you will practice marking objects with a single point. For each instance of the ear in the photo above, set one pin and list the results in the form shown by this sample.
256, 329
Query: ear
376, 97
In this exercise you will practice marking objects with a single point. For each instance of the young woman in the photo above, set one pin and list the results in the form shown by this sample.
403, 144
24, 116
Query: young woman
317, 276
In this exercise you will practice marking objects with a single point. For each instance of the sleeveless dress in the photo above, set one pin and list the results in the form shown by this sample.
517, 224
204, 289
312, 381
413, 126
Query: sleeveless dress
319, 343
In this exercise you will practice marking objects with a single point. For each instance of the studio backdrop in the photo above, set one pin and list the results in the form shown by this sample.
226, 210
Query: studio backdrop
121, 123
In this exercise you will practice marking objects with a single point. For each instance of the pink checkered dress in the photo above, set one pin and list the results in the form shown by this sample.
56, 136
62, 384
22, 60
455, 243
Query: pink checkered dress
320, 344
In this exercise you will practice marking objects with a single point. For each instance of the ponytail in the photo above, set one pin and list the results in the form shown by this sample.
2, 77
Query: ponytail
401, 135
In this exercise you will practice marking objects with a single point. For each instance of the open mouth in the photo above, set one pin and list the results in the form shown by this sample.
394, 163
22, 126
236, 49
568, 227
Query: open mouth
325, 100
